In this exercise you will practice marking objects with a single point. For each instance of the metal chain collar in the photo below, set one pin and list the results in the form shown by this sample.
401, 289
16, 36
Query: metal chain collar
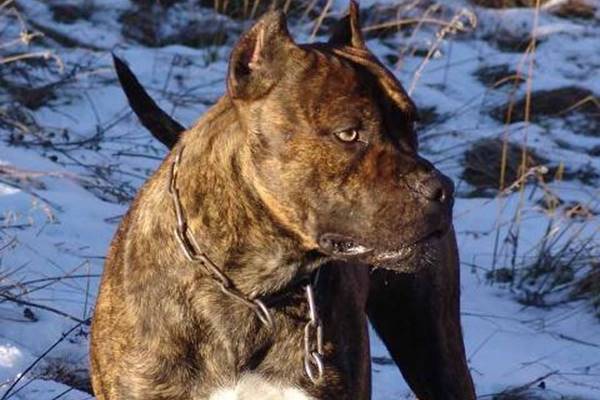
313, 330
193, 253
313, 338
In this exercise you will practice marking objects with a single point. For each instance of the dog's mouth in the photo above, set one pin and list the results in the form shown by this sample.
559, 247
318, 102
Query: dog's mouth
341, 246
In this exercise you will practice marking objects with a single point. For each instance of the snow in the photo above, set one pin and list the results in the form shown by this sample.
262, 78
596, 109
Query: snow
9, 356
56, 228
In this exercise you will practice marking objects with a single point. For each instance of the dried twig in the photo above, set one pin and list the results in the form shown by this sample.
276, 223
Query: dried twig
41, 307
455, 25
7, 394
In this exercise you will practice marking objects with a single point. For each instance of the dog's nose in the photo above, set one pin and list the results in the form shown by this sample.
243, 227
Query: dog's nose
436, 187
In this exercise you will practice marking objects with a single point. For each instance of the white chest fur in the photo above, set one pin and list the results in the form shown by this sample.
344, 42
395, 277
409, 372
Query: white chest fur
254, 387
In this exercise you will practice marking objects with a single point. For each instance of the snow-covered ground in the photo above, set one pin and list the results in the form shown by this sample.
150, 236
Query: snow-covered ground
69, 165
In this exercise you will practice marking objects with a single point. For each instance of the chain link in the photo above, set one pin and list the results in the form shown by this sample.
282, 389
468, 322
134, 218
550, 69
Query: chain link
313, 330
313, 340
192, 252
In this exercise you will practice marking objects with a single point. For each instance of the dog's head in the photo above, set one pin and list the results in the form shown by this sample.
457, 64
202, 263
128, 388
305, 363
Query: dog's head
331, 148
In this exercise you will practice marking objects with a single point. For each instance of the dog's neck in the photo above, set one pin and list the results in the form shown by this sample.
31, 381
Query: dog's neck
226, 215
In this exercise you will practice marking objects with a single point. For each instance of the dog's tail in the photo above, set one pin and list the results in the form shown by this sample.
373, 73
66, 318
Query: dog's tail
157, 121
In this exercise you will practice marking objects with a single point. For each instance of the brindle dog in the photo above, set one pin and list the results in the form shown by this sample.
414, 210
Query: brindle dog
308, 162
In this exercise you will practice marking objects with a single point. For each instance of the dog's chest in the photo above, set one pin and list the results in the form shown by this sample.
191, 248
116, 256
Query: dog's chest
255, 387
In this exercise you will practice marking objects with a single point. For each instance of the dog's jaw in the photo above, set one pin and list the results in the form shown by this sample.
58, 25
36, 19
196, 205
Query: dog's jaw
351, 249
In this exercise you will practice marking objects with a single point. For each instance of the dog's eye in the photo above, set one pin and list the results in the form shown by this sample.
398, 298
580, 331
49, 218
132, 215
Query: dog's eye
349, 135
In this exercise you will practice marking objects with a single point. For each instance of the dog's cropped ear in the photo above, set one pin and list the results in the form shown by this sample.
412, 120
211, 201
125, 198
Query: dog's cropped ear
258, 60
348, 42
347, 31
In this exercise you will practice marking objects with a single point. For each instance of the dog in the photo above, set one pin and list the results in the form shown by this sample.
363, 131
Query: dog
293, 212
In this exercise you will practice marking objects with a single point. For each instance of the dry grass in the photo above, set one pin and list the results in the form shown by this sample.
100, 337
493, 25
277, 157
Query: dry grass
463, 21
73, 376
560, 266
70, 13
588, 287
496, 76
15, 61
488, 161
247, 9
13, 43
577, 106
507, 3
529, 395
585, 9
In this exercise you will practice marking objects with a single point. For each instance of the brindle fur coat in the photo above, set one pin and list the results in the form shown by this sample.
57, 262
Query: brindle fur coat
309, 161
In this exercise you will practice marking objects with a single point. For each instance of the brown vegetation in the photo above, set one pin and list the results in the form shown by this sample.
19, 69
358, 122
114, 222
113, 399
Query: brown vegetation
483, 164
507, 3
578, 107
